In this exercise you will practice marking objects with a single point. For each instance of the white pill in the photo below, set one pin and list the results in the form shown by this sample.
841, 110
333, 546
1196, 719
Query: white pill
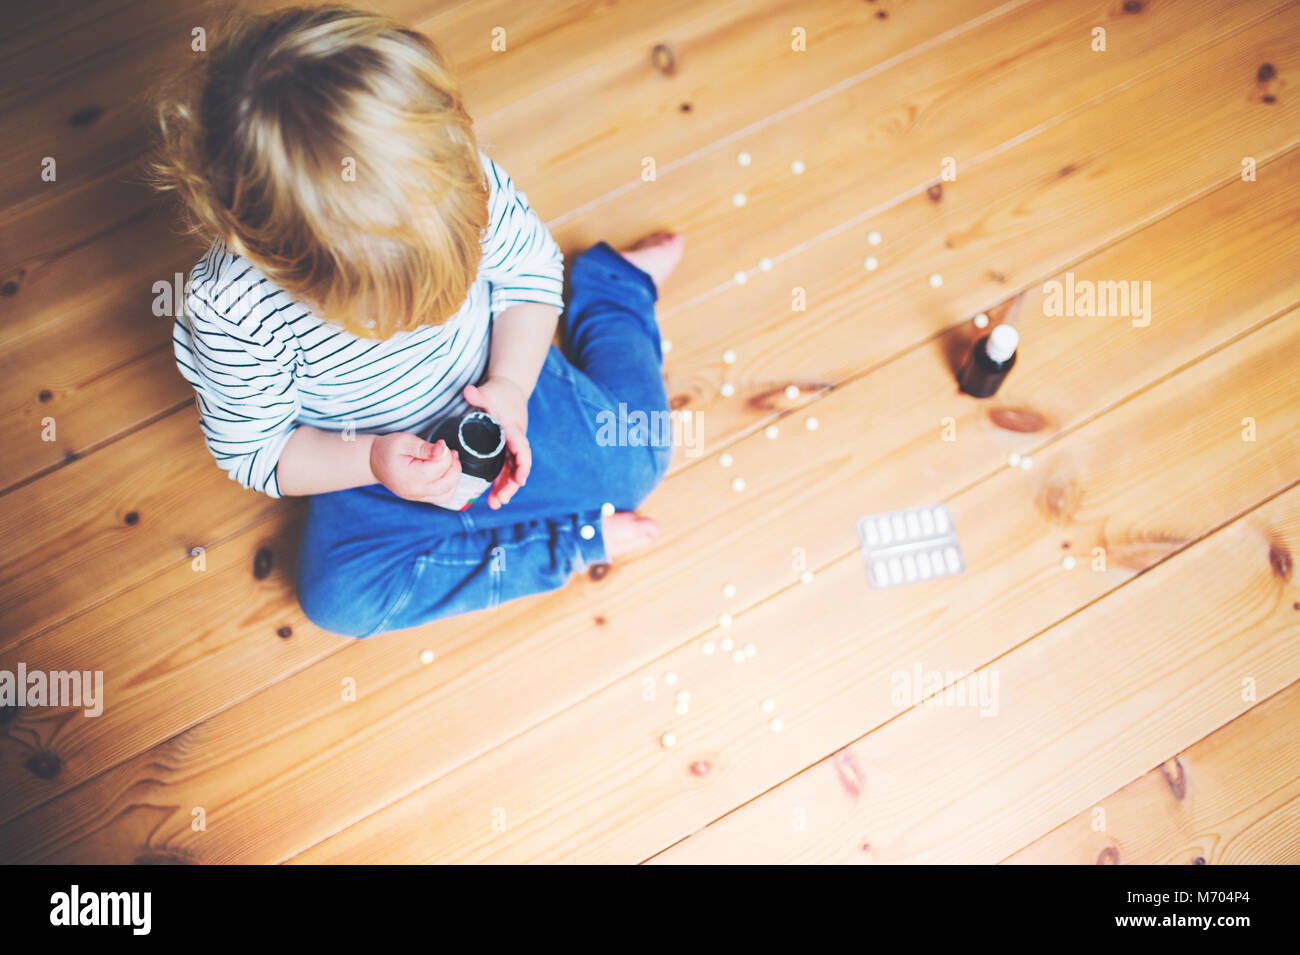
726, 644
729, 591
724, 621
726, 460
668, 740
739, 199
707, 648
899, 528
738, 656
895, 570
923, 565
777, 725
587, 532
927, 523
751, 651
1068, 562
869, 532
683, 696
670, 678
873, 237
909, 567
741, 278
765, 265
950, 559
744, 159
886, 535
981, 320
767, 706
806, 577
936, 280
1026, 463
792, 392
797, 167
683, 707
936, 563
771, 431
913, 525
667, 345
870, 263
881, 573
738, 484
1013, 460
941, 520
812, 424
727, 389
728, 357
426, 656
607, 509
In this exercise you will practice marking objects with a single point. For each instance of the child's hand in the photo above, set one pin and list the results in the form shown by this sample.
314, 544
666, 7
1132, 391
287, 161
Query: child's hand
508, 404
413, 468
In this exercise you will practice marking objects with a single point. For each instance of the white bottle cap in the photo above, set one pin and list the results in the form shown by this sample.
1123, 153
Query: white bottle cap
1002, 343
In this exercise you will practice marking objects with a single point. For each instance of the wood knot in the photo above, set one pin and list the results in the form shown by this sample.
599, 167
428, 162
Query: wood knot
1020, 420
935, 192
677, 402
1060, 499
132, 518
851, 777
662, 59
9, 289
45, 395
700, 768
1133, 6
598, 571
1108, 856
163, 858
1279, 558
1199, 860
1266, 73
1069, 169
262, 562
86, 116
1176, 778
8, 713
284, 633
599, 620
685, 107
44, 763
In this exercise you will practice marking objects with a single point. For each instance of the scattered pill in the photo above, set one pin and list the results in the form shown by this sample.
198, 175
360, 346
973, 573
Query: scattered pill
729, 591
981, 320
1013, 460
738, 656
670, 678
739, 199
741, 278
738, 484
873, 237
751, 651
707, 648
870, 263
729, 357
811, 424
726, 644
765, 264
797, 167
683, 707
724, 621
1067, 562
936, 280
777, 725
744, 159
806, 577
607, 509
727, 389
767, 706
1026, 463
726, 460
668, 740
426, 656
683, 696
587, 532
771, 431
792, 392
666, 345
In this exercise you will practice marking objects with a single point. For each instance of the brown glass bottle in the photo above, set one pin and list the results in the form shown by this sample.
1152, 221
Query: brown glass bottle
989, 361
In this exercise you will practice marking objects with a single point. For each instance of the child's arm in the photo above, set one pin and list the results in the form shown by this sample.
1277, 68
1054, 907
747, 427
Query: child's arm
317, 462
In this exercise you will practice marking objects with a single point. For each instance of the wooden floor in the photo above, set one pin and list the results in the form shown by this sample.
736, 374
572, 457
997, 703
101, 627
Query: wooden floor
1146, 699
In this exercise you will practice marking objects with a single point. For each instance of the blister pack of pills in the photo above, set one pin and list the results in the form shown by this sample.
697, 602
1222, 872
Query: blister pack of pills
904, 547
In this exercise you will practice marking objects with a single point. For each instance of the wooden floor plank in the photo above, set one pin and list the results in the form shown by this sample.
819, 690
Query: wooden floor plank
678, 583
1083, 708
1232, 798
593, 784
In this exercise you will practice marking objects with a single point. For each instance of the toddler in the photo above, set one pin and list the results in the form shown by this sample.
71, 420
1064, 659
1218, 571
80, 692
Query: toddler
373, 273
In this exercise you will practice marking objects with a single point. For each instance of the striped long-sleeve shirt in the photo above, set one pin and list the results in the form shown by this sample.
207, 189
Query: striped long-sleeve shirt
263, 364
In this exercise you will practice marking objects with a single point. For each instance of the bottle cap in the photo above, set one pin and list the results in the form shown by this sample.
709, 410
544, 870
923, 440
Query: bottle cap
1002, 343
480, 435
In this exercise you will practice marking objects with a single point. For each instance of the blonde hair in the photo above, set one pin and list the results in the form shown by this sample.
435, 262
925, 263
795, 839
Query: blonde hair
258, 146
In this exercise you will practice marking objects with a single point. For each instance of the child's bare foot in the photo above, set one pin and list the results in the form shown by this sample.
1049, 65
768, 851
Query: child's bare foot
626, 531
657, 255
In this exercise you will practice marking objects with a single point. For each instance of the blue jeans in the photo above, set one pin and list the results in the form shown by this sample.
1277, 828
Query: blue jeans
370, 561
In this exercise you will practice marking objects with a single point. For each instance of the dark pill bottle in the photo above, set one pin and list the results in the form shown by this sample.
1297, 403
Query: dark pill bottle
481, 443
989, 361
